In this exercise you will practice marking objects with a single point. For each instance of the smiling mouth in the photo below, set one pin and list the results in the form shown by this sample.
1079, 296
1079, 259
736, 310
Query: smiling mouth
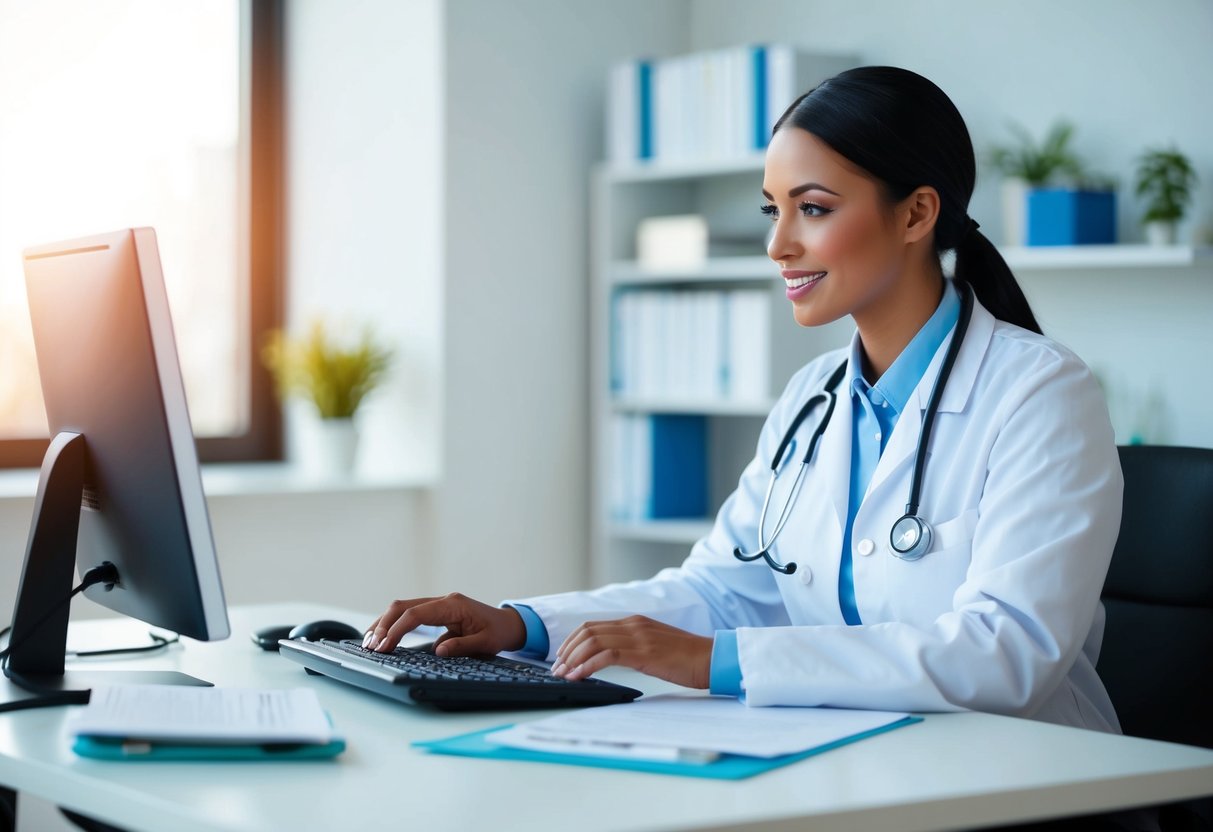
797, 282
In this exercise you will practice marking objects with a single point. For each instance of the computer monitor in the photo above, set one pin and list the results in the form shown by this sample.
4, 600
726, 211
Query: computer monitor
120, 482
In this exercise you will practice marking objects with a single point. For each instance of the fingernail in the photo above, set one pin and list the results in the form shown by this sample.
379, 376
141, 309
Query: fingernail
557, 669
368, 638
375, 645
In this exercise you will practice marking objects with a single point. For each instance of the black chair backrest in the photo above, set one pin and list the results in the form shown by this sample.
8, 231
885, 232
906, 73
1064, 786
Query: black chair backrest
1157, 656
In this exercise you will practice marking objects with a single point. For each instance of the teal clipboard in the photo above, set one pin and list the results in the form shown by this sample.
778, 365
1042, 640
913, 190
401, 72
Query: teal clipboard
107, 748
728, 767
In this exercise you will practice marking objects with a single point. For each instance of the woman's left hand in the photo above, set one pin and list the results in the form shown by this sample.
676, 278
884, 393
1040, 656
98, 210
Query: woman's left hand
639, 643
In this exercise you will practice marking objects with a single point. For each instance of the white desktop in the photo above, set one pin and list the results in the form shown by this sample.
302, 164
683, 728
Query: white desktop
952, 771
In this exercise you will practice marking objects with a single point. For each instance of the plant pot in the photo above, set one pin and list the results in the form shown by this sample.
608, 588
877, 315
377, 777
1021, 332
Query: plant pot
1065, 217
1160, 233
1014, 211
328, 447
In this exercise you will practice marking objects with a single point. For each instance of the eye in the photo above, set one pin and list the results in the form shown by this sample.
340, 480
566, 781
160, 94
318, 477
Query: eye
769, 211
812, 209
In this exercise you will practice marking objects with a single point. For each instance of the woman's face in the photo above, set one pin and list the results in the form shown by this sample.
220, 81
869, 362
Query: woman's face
837, 239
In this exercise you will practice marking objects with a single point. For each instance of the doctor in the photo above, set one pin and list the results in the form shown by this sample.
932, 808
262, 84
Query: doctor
942, 544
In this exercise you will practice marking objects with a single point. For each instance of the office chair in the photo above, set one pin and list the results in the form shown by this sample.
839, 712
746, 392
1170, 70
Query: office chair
1157, 655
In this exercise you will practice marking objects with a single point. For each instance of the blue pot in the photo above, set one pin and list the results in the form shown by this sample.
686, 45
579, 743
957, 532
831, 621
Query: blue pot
1062, 217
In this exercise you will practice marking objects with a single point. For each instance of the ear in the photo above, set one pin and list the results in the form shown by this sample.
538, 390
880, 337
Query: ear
920, 210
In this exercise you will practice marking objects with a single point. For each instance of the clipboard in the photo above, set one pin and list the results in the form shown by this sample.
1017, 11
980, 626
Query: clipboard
727, 767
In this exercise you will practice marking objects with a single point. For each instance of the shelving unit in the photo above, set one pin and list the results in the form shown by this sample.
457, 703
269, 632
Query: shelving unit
1125, 256
727, 193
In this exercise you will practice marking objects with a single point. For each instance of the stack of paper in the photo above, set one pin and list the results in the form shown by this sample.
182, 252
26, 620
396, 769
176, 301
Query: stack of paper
159, 721
693, 729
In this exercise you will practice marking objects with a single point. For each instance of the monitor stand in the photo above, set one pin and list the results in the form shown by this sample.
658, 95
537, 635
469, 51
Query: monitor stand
40, 617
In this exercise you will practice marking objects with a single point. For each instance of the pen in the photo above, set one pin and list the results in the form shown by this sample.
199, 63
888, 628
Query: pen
633, 750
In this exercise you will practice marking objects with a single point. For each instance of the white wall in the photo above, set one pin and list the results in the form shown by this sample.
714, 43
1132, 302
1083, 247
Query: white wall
364, 202
524, 100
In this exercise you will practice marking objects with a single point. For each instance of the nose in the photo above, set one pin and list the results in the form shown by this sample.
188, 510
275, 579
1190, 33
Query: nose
783, 245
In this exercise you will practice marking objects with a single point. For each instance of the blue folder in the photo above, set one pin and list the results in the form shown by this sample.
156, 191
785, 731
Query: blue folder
728, 767
106, 748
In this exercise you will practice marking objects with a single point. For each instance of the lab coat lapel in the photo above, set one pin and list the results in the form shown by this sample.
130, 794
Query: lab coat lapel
904, 441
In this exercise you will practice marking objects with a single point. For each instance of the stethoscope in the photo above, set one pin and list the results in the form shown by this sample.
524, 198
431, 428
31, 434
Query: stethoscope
910, 537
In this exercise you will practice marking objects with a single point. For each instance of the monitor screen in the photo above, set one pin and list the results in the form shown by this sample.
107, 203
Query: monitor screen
109, 371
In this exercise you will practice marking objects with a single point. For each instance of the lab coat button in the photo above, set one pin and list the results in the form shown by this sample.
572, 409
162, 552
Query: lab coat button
866, 547
805, 573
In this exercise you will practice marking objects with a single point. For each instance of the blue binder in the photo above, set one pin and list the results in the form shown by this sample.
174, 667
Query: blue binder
678, 471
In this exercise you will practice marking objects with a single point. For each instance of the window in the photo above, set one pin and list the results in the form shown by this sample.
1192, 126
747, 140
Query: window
141, 112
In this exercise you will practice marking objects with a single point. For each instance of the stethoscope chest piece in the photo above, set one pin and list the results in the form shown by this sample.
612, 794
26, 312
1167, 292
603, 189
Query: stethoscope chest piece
910, 538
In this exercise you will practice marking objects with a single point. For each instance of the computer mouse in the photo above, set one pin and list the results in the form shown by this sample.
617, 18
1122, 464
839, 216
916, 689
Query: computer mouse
267, 637
332, 630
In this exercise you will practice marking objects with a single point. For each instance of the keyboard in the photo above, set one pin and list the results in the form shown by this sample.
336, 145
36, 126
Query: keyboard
450, 682
421, 665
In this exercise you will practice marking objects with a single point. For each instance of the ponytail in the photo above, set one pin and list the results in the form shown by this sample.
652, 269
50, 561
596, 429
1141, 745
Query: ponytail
979, 264
905, 132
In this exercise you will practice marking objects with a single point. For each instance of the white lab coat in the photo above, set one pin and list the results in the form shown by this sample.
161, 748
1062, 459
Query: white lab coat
1023, 488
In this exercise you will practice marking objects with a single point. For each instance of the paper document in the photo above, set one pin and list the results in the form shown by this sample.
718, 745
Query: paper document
690, 727
173, 713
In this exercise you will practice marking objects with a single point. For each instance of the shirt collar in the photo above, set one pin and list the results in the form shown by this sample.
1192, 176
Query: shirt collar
899, 381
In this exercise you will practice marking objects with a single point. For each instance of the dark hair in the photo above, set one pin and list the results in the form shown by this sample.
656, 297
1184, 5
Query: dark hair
906, 133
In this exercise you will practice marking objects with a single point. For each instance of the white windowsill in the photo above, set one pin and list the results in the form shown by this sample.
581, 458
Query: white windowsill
237, 479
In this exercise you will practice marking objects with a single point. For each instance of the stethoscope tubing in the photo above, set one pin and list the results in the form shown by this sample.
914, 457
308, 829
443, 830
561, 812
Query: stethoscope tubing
916, 547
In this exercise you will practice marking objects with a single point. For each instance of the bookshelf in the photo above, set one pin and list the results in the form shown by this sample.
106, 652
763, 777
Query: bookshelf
728, 194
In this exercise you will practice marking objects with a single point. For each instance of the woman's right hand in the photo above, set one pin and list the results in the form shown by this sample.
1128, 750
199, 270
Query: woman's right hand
472, 628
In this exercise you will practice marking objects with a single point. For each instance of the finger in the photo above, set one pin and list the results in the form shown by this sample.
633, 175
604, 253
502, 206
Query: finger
587, 630
584, 631
379, 628
479, 643
368, 635
435, 611
605, 637
584, 666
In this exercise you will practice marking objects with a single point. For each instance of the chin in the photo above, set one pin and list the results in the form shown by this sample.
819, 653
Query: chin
813, 315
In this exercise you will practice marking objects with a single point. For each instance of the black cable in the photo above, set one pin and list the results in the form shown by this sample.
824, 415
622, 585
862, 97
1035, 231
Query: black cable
107, 574
159, 642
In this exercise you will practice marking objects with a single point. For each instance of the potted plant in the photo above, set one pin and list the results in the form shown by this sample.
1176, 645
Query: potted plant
335, 377
1048, 196
1165, 178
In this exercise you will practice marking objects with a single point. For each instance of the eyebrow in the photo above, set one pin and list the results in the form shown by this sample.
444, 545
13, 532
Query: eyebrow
800, 189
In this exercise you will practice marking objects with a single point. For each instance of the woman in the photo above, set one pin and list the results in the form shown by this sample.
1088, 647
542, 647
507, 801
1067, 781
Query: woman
993, 605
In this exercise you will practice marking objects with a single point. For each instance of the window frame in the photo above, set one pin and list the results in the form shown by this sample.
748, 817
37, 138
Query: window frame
260, 242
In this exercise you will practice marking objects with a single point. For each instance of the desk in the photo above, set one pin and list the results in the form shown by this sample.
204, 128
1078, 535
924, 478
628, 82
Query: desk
951, 771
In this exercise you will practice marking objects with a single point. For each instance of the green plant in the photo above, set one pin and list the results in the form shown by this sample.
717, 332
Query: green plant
1165, 178
333, 376
1050, 162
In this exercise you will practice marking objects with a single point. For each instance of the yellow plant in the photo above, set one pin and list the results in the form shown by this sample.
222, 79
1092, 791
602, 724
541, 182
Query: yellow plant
333, 376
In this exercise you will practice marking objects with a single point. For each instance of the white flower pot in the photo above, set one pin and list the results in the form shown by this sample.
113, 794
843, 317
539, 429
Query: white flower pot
328, 447
1160, 233
1014, 212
